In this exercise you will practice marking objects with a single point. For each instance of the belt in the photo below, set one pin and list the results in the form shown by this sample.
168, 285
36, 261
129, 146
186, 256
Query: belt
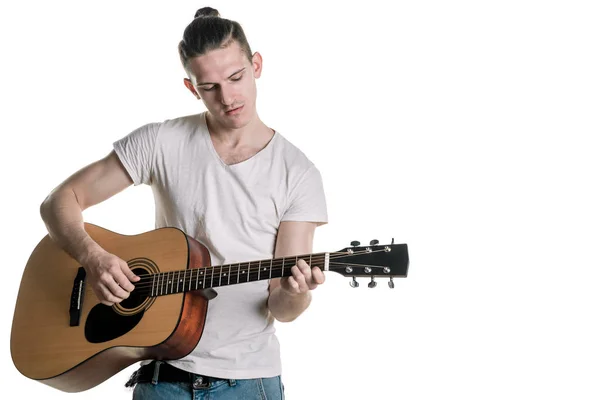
158, 371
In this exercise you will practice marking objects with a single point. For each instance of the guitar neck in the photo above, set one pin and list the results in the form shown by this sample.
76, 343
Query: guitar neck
164, 283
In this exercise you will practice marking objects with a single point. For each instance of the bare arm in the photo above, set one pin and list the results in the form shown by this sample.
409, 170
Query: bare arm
62, 211
290, 296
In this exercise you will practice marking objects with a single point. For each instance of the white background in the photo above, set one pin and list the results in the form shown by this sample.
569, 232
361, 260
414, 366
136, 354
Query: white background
466, 129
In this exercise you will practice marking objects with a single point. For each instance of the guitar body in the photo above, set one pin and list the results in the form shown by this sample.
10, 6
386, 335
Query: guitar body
44, 345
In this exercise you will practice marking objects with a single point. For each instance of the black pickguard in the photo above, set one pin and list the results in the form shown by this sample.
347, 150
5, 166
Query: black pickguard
104, 324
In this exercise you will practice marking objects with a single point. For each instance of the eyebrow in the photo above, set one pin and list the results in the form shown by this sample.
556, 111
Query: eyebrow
230, 76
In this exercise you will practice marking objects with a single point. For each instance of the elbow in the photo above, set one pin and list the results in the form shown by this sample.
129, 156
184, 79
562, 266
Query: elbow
57, 199
45, 207
285, 318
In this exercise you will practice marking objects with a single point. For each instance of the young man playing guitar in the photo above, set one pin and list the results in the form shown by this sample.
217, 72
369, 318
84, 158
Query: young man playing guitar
235, 185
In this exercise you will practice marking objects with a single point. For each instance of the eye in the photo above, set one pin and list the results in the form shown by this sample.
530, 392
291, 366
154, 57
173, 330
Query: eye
208, 89
237, 78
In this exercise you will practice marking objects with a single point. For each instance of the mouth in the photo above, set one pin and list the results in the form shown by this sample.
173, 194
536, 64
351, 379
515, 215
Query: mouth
234, 111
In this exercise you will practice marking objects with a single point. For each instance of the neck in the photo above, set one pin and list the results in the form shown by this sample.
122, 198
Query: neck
164, 283
254, 134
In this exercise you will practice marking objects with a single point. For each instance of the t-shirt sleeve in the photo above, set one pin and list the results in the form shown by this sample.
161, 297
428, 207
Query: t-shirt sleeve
307, 199
136, 152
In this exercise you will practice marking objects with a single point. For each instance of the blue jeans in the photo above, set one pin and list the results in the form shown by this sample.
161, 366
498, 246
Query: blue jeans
222, 389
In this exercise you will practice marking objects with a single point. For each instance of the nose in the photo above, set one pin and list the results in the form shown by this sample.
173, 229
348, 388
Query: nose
227, 95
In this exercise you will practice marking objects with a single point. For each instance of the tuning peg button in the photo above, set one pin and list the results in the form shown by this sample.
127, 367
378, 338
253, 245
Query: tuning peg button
355, 243
374, 242
391, 283
353, 282
372, 284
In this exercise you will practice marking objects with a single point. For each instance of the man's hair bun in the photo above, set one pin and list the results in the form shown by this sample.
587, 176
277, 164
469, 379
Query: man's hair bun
207, 12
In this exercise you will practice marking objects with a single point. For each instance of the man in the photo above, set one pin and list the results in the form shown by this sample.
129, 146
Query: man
228, 180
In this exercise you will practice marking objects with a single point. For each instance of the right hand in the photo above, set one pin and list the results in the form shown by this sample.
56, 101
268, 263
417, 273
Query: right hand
110, 277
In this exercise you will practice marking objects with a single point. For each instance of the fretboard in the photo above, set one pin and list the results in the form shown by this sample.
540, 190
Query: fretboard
164, 283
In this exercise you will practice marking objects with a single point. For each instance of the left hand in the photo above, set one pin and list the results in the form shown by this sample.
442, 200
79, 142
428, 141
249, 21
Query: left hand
303, 279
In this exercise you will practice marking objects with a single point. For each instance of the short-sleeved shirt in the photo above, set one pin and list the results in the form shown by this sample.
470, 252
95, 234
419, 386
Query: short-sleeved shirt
235, 211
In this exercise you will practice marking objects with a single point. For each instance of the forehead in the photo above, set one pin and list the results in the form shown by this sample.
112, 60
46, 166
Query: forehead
218, 64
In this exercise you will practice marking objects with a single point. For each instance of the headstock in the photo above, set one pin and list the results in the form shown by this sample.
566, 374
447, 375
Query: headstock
374, 261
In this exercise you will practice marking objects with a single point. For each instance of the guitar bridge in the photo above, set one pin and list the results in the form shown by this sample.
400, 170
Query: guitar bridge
77, 297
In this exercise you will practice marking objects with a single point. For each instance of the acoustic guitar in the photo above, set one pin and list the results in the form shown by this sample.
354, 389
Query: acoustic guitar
64, 337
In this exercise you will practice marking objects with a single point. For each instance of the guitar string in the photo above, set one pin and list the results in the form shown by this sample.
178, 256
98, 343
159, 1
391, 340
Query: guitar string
252, 277
254, 266
147, 290
258, 265
188, 278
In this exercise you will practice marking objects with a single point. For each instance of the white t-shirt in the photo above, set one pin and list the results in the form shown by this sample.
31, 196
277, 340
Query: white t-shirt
235, 211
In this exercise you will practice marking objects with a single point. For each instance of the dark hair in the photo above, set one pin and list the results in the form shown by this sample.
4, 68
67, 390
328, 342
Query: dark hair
208, 31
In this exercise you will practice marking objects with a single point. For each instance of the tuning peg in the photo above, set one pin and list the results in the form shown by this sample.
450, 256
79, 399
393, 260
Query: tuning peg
354, 243
372, 284
374, 242
392, 240
391, 283
353, 282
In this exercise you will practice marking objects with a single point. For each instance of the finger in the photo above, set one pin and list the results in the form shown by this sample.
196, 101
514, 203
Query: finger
106, 297
303, 265
129, 273
295, 288
307, 273
120, 276
115, 289
318, 276
299, 278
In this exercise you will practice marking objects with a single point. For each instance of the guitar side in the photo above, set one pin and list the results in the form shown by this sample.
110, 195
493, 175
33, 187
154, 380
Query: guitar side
46, 348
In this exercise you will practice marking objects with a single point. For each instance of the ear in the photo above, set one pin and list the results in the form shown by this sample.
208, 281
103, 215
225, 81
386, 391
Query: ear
188, 84
257, 63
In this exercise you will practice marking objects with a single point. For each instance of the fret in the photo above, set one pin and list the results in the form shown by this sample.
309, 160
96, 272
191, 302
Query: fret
239, 267
212, 277
178, 280
157, 283
248, 277
191, 276
204, 278
258, 278
161, 283
220, 274
271, 268
153, 279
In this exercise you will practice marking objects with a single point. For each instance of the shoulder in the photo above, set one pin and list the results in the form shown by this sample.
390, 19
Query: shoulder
184, 124
293, 158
